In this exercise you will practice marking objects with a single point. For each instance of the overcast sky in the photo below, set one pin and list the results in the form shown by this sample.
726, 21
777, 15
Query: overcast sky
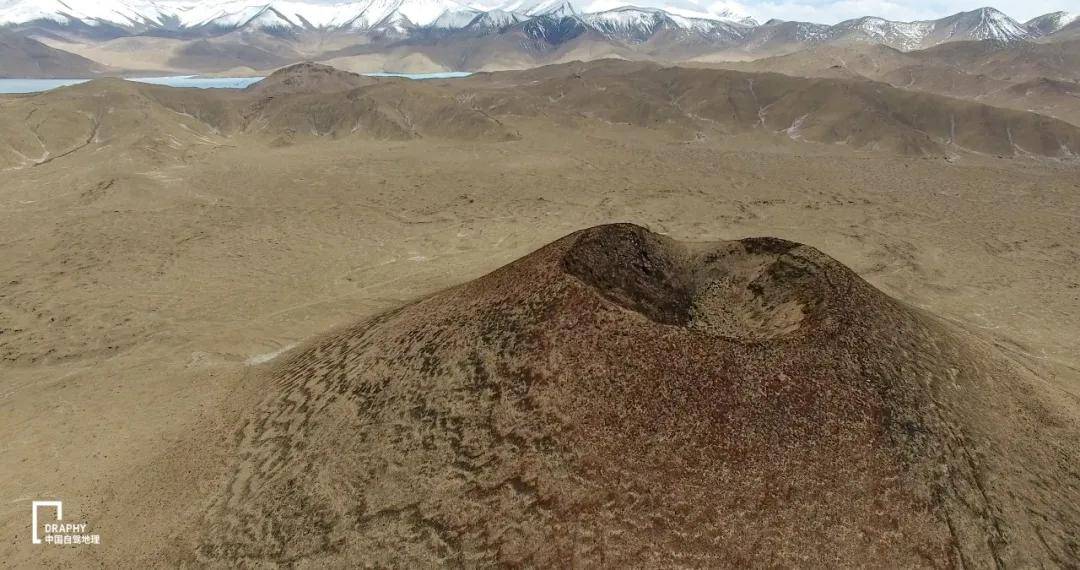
832, 11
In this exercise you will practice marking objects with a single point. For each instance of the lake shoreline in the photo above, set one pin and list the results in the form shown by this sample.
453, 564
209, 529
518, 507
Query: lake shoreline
17, 86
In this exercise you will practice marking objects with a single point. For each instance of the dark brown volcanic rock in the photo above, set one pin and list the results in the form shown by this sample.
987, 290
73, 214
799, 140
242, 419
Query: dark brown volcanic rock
619, 399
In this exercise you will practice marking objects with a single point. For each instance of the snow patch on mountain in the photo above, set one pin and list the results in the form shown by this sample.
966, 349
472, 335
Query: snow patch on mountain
239, 13
983, 24
686, 8
115, 12
496, 20
548, 20
454, 19
901, 35
639, 24
1050, 23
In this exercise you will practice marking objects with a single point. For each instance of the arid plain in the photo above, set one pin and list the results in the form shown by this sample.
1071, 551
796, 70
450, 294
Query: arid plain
159, 256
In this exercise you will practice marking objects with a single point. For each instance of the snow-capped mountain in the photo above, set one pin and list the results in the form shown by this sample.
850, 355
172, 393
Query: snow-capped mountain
121, 13
558, 23
714, 11
551, 21
182, 14
139, 15
454, 19
495, 20
981, 24
637, 25
1049, 23
533, 8
900, 35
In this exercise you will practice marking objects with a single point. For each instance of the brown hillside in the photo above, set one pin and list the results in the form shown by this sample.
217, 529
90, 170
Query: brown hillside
1018, 62
168, 124
312, 101
232, 51
103, 113
307, 78
1026, 77
854, 112
24, 57
387, 109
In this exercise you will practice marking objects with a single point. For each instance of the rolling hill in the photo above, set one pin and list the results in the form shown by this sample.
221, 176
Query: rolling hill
314, 101
858, 113
1040, 77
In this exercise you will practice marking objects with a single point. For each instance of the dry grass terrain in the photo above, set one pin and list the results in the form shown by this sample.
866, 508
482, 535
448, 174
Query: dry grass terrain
163, 250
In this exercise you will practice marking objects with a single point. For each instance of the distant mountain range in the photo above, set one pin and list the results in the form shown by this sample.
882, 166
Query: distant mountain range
254, 36
552, 22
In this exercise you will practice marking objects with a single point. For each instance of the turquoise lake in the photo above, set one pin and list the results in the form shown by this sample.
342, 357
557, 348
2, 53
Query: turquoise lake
38, 85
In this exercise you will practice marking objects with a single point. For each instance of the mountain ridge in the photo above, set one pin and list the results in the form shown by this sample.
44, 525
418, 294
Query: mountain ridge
402, 18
